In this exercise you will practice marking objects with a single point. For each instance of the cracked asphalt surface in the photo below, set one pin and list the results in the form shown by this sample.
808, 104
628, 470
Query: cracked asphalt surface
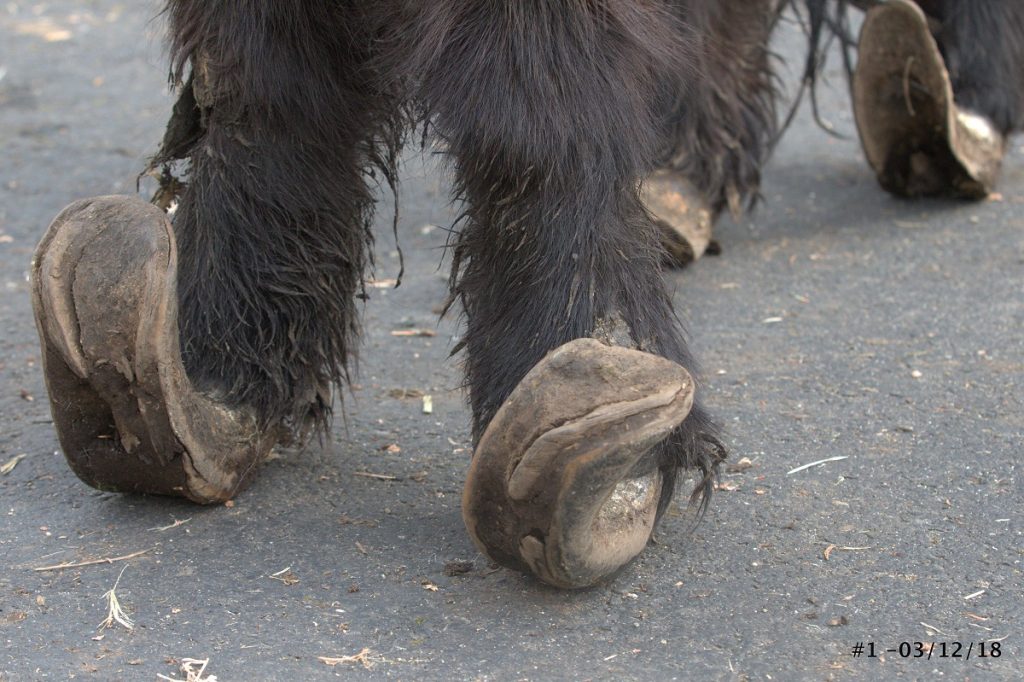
838, 323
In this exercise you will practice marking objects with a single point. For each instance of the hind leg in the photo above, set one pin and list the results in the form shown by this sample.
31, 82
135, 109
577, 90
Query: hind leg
721, 123
938, 87
176, 357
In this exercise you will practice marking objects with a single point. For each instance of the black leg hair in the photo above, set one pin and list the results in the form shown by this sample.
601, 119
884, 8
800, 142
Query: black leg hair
282, 119
551, 117
722, 123
982, 43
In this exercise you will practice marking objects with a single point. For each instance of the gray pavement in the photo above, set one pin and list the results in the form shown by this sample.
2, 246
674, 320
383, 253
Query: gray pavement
839, 322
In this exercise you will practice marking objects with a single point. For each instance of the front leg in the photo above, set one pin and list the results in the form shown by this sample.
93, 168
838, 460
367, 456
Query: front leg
176, 357
576, 366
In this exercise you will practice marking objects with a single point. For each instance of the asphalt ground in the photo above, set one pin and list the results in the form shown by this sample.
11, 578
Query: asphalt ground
839, 322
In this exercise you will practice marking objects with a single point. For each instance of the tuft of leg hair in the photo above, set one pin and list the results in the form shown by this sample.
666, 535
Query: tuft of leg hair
721, 114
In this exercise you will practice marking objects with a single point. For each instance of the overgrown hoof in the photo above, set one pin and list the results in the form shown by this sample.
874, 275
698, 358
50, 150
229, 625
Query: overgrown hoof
683, 216
104, 291
917, 140
564, 482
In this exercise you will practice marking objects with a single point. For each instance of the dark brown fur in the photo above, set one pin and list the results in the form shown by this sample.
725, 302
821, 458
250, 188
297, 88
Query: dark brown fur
287, 121
722, 119
551, 111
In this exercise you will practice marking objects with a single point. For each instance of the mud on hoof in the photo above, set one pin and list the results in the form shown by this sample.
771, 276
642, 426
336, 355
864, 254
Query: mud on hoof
917, 140
682, 215
104, 291
564, 482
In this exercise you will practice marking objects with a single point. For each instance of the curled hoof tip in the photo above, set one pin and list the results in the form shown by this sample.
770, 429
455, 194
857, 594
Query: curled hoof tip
104, 293
915, 137
565, 481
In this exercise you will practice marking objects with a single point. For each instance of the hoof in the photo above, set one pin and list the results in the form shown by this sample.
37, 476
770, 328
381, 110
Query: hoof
564, 482
683, 216
916, 139
104, 291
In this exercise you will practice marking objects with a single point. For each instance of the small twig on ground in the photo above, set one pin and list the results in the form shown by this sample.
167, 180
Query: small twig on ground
192, 674
286, 576
814, 464
831, 548
177, 522
379, 477
362, 657
403, 393
9, 465
93, 562
115, 614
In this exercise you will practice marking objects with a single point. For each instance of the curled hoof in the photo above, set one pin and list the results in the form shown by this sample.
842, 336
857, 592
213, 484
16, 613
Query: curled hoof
683, 216
564, 482
104, 291
915, 137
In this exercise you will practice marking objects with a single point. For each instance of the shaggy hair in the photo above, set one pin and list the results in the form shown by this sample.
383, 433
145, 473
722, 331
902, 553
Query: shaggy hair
723, 121
282, 120
551, 113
